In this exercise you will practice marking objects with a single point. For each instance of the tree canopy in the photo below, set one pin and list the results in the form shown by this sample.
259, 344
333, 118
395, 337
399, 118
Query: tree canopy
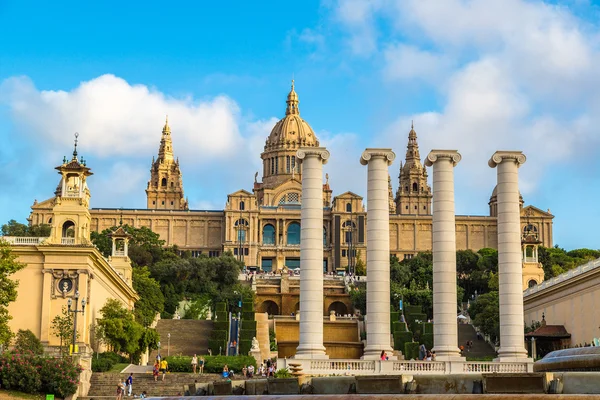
14, 228
8, 288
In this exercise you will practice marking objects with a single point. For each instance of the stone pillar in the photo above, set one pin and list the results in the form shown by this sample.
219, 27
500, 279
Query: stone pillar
445, 330
311, 254
378, 252
510, 273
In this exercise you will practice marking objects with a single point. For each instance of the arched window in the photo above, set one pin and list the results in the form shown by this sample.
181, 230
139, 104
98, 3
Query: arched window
287, 164
531, 283
268, 234
349, 207
68, 229
348, 228
241, 226
406, 189
242, 206
163, 182
272, 165
415, 187
324, 237
293, 233
172, 184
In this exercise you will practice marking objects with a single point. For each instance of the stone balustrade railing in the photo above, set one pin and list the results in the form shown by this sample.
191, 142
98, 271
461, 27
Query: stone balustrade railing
23, 241
67, 241
562, 277
377, 367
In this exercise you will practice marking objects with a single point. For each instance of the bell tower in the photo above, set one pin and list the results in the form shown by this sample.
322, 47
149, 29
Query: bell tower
533, 272
165, 187
70, 209
413, 196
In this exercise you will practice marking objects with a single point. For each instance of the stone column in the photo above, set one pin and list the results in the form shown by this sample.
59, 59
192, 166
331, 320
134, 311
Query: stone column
378, 252
510, 267
311, 254
445, 330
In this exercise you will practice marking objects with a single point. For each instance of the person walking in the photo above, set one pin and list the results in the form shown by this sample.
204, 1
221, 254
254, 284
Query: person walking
155, 369
120, 390
194, 363
129, 384
163, 368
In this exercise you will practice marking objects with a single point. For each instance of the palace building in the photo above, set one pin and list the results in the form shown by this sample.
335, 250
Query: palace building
261, 226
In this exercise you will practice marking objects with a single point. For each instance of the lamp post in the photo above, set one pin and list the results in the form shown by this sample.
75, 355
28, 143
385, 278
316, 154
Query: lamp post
168, 344
158, 355
75, 311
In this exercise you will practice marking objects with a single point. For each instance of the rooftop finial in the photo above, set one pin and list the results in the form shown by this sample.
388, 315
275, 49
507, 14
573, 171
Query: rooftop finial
75, 148
292, 102
166, 128
412, 124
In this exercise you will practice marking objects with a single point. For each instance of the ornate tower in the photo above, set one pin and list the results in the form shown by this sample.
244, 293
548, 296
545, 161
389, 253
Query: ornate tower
288, 135
414, 194
165, 187
70, 224
533, 272
119, 258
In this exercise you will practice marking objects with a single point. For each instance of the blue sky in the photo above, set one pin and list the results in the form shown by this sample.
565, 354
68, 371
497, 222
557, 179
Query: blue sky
476, 76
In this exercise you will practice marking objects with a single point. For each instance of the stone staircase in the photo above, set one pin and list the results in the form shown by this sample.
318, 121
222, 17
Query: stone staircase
480, 347
188, 337
104, 384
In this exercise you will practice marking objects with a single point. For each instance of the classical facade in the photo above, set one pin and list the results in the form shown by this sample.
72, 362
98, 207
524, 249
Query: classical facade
261, 226
66, 269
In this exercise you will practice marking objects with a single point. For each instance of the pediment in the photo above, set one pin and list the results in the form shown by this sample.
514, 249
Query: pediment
533, 211
241, 192
348, 195
46, 204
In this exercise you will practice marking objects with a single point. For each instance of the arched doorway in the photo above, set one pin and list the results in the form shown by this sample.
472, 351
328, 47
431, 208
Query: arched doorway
270, 307
297, 308
339, 308
68, 229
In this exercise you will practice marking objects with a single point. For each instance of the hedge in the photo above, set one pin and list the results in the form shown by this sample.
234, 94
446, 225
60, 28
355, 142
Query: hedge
400, 338
250, 325
248, 316
399, 327
394, 316
247, 334
245, 346
220, 326
427, 340
427, 327
221, 316
214, 345
408, 309
212, 364
219, 335
221, 307
104, 361
411, 350
247, 307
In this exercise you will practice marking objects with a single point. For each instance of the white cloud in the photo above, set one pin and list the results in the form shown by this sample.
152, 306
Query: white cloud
357, 17
116, 118
408, 62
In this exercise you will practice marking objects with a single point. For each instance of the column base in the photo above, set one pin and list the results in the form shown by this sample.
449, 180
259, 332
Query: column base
311, 353
512, 354
447, 353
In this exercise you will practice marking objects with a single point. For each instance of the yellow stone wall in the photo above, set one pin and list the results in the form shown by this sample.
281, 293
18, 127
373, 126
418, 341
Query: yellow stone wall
40, 299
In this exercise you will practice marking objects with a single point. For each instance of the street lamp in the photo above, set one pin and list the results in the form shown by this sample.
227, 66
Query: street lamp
168, 344
158, 355
75, 311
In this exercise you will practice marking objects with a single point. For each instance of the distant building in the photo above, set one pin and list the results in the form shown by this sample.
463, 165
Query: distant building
261, 226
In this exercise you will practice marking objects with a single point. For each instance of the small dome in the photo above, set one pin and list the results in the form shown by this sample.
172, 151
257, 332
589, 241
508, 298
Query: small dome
291, 131
494, 196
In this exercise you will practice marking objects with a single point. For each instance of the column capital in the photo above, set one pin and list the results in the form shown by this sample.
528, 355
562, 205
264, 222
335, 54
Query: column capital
436, 155
387, 154
500, 156
320, 152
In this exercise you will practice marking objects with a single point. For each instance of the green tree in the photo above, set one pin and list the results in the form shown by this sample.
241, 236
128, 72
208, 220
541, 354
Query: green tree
14, 228
62, 328
485, 313
8, 288
360, 269
358, 296
42, 230
152, 300
27, 341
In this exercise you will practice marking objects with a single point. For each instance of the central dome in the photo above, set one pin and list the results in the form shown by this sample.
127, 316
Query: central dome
291, 131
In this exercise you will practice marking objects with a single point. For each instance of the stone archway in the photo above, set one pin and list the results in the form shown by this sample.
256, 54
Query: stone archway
270, 307
338, 307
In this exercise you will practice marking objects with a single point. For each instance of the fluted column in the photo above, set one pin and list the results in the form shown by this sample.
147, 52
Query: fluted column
445, 329
510, 268
378, 252
311, 253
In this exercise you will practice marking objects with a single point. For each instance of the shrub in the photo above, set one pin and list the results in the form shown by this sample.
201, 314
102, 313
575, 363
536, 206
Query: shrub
411, 350
220, 307
282, 373
101, 365
214, 345
27, 341
399, 327
60, 376
247, 306
400, 338
19, 372
249, 325
220, 326
245, 346
212, 364
31, 373
247, 334
427, 340
408, 309
219, 335
427, 327
221, 316
394, 317
247, 316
